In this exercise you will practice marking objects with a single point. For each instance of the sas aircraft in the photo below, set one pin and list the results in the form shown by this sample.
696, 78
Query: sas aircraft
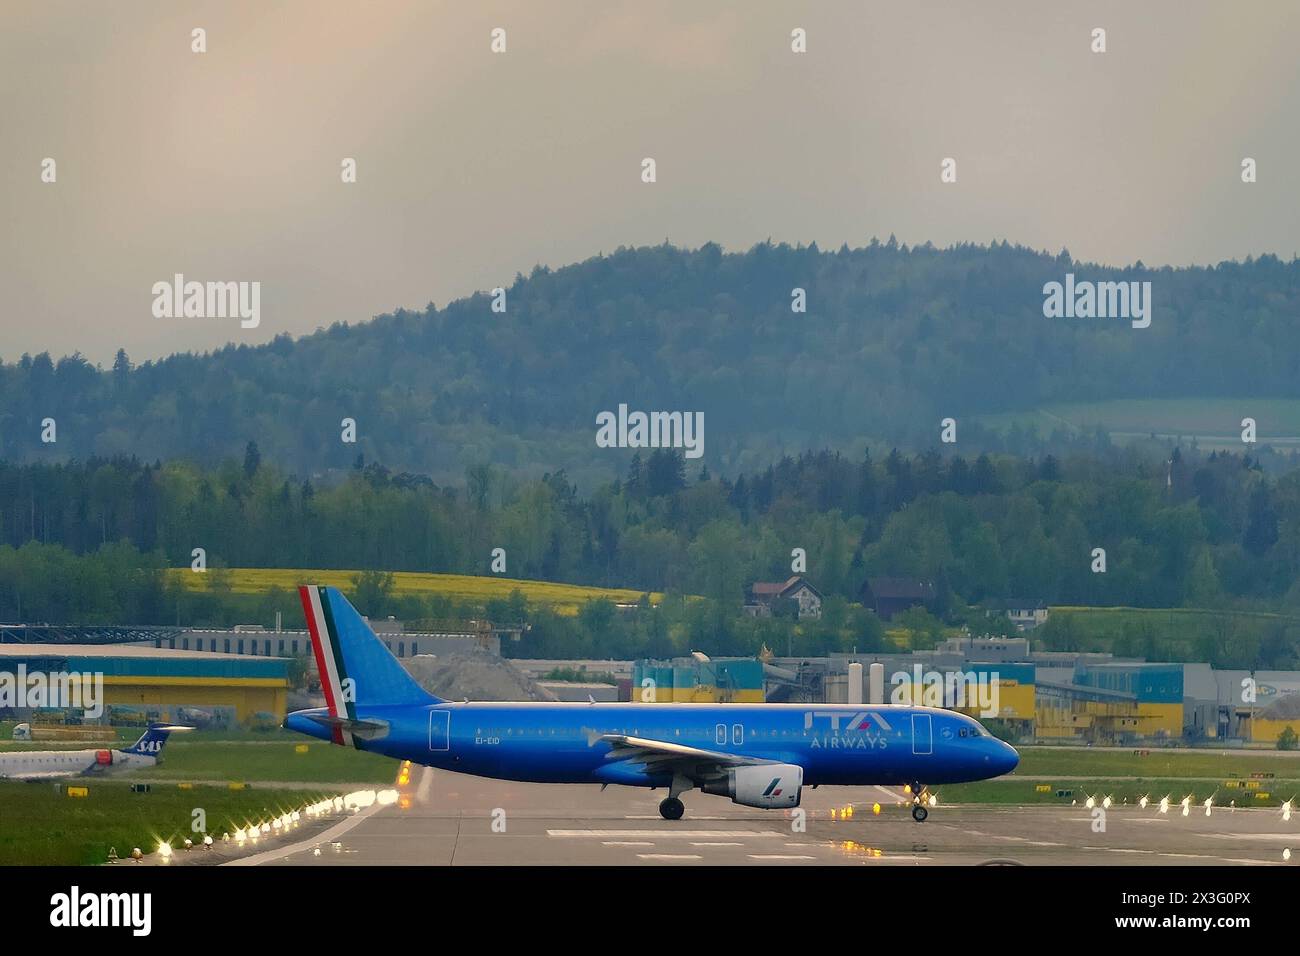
34, 765
759, 755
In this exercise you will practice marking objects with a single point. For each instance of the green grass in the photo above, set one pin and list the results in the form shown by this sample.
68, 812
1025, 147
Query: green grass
1201, 775
1021, 791
1215, 421
1081, 762
1179, 634
42, 826
248, 756
472, 589
259, 761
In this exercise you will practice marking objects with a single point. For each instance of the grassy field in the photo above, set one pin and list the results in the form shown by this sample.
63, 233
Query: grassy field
562, 598
1178, 633
1216, 422
1126, 776
256, 761
1019, 792
40, 825
248, 758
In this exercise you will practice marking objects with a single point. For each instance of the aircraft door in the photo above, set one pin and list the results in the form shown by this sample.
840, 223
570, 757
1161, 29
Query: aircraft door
440, 730
922, 739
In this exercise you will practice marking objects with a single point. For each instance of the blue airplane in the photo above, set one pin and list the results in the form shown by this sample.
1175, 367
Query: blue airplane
759, 755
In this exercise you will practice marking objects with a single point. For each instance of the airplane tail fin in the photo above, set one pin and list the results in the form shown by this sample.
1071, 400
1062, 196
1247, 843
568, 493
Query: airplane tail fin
153, 739
355, 666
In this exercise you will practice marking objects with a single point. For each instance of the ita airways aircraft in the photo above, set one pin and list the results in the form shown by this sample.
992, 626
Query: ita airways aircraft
53, 764
759, 755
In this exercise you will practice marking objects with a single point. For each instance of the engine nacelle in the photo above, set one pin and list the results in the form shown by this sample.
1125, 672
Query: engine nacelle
104, 758
770, 786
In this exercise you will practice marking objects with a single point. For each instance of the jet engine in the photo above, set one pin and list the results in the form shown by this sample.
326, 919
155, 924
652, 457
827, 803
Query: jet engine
768, 786
103, 758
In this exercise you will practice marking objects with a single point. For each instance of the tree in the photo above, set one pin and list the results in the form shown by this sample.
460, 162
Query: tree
1261, 522
371, 591
1203, 582
121, 370
252, 459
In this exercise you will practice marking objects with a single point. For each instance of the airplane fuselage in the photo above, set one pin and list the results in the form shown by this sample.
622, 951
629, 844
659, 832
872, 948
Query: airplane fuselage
53, 764
835, 744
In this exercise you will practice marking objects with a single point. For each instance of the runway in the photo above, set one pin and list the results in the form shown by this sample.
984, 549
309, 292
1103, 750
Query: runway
444, 819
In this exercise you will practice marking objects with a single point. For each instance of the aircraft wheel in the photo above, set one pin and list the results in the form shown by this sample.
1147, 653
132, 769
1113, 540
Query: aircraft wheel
919, 813
671, 808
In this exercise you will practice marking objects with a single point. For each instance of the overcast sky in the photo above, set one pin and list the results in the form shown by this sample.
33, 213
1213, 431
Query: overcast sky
473, 166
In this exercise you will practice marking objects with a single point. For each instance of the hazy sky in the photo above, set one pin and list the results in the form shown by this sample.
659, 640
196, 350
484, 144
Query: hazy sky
473, 166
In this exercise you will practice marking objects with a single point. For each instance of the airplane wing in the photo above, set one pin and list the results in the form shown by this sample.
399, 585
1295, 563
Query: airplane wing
660, 756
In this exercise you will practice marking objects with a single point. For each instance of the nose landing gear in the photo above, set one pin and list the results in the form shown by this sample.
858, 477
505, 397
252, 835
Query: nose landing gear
919, 795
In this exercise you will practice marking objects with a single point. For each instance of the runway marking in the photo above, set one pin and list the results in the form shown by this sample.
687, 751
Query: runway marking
626, 843
669, 856
1117, 849
881, 860
425, 785
779, 856
329, 836
1251, 836
660, 834
717, 844
1204, 856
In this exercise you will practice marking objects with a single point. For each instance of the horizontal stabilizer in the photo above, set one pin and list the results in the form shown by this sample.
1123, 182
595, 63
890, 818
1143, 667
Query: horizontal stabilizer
365, 729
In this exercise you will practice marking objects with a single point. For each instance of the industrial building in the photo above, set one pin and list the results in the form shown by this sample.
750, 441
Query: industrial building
255, 640
1045, 696
143, 684
700, 680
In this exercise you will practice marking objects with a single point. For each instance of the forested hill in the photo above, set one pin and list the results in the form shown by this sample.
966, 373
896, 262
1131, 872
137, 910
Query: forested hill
893, 340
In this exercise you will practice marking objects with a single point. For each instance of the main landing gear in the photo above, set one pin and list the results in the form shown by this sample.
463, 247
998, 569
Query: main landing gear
670, 808
919, 793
